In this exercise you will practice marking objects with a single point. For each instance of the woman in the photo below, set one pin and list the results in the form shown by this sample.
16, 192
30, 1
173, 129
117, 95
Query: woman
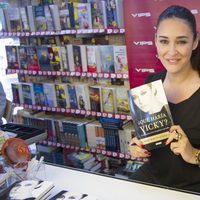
176, 164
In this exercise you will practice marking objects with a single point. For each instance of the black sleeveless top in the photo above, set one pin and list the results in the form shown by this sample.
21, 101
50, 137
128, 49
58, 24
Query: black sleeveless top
166, 168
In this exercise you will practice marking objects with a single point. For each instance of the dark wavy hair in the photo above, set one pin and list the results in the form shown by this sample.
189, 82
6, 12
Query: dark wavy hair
185, 14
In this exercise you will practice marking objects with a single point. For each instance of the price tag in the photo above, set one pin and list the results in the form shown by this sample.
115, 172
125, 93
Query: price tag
58, 109
109, 153
44, 108
129, 117
58, 73
98, 114
110, 115
54, 73
114, 154
104, 114
30, 106
94, 113
121, 155
125, 76
103, 152
119, 76
49, 72
98, 151
88, 112
44, 73
53, 109
89, 74
62, 110
109, 31
106, 75
40, 72
123, 117
78, 111
113, 75
117, 116
72, 110
94, 75
83, 112
93, 150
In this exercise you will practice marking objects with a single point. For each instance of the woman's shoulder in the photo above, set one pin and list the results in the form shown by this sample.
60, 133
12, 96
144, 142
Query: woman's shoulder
157, 76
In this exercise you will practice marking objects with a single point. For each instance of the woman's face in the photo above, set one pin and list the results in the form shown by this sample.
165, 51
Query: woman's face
175, 42
142, 96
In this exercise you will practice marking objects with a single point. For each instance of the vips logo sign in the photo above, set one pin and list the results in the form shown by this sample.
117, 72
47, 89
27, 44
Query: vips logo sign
140, 25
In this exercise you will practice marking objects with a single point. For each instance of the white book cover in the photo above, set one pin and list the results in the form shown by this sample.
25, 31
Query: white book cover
30, 189
70, 57
50, 94
93, 58
3, 26
56, 16
120, 13
49, 18
24, 19
120, 59
82, 94
31, 18
64, 58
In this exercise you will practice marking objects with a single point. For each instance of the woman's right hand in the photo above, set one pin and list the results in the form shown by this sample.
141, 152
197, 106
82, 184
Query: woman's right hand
137, 150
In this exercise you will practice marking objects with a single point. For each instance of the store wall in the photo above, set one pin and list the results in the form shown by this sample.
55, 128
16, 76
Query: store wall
140, 25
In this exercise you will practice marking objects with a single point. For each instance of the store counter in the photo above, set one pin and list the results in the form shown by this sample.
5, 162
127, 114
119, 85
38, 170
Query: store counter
109, 188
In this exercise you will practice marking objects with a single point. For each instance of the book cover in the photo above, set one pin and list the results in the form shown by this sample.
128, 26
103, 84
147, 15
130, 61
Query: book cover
107, 58
55, 15
150, 113
30, 189
55, 57
49, 18
24, 19
93, 58
22, 57
120, 59
39, 94
72, 96
13, 19
66, 195
40, 20
64, 58
97, 14
17, 93
108, 99
32, 59
111, 13
12, 57
82, 15
43, 58
82, 94
122, 100
3, 26
62, 96
64, 16
31, 18
50, 94
95, 98
80, 60
28, 93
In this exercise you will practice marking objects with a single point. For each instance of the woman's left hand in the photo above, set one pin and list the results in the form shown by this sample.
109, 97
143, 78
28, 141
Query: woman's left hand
180, 145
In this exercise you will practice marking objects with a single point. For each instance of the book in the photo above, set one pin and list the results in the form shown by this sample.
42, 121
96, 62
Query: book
3, 26
95, 97
120, 59
64, 16
122, 105
17, 93
43, 58
50, 94
28, 93
39, 94
151, 114
32, 59
107, 58
22, 57
49, 18
30, 189
31, 18
72, 96
93, 58
24, 19
13, 19
62, 95
40, 20
82, 15
66, 195
82, 94
12, 57
108, 100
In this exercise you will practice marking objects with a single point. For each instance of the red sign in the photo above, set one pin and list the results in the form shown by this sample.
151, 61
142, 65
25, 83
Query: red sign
140, 24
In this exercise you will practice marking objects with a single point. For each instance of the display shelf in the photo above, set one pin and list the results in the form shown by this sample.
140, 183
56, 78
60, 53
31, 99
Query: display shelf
76, 111
92, 150
65, 73
64, 32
